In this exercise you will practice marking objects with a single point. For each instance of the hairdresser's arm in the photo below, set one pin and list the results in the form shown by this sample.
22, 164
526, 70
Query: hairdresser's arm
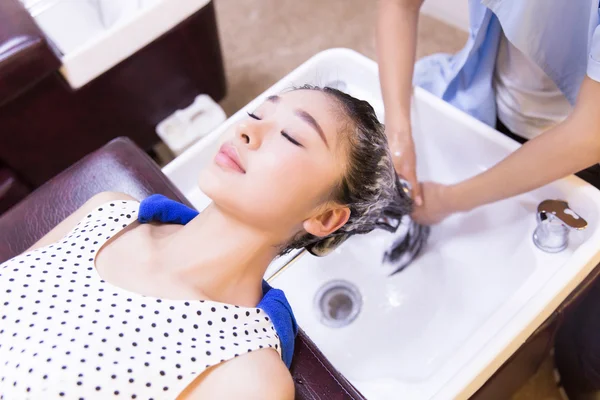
396, 47
563, 150
65, 226
259, 375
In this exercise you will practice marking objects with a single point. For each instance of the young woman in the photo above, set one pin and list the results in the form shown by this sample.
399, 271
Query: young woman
105, 306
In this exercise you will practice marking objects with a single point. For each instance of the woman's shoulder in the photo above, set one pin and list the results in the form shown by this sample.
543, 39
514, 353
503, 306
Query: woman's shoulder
99, 200
257, 375
105, 197
264, 375
66, 225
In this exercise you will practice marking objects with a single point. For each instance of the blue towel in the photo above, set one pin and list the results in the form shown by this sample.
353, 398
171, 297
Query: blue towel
158, 208
275, 304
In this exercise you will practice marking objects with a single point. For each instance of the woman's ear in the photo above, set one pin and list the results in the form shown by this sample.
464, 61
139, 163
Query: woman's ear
327, 222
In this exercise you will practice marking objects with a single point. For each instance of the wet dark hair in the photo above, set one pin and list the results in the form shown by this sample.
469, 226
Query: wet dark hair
370, 187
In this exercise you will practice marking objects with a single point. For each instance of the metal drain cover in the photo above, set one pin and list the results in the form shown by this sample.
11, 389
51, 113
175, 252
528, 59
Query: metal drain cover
338, 303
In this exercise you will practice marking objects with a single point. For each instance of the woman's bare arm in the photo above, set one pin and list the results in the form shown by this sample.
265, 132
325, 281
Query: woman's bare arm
259, 375
65, 226
565, 149
396, 49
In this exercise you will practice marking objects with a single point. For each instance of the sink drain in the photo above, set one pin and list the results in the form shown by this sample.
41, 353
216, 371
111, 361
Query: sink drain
338, 303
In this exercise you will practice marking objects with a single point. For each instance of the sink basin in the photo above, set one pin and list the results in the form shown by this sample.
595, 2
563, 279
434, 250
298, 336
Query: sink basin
440, 328
94, 36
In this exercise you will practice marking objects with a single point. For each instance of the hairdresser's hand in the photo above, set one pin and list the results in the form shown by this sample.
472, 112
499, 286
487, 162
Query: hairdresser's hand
404, 158
437, 204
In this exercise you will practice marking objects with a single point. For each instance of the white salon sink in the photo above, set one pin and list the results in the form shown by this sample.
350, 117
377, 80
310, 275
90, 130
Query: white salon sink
95, 35
440, 328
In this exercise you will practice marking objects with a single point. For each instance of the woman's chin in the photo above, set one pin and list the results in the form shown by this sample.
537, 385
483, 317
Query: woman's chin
208, 182
216, 184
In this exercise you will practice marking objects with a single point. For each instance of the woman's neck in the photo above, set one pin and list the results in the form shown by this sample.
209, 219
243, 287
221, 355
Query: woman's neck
221, 257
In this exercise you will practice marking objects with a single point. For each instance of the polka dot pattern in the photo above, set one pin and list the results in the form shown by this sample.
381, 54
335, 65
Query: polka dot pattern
67, 334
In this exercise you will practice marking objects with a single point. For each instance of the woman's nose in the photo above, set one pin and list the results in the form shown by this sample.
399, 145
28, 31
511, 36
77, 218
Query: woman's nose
250, 134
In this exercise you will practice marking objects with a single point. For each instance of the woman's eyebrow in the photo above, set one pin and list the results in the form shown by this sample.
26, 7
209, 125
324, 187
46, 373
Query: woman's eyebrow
305, 117
312, 122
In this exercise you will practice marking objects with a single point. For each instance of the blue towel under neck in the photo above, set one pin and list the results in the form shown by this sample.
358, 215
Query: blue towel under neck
158, 208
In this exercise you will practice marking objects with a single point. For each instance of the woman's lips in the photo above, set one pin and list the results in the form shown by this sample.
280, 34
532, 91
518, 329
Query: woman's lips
228, 158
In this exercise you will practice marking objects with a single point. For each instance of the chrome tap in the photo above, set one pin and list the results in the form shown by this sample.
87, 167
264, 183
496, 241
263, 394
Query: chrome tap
555, 219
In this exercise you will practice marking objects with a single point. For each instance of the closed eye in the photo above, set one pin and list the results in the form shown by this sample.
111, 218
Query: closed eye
285, 135
291, 139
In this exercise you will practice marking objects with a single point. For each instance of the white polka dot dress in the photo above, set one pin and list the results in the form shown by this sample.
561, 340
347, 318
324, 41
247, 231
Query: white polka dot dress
67, 334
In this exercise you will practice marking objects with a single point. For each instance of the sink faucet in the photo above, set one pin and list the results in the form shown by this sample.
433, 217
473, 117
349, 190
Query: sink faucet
555, 219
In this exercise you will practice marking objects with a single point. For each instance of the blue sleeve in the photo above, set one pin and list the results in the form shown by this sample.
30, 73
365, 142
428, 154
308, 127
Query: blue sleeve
593, 65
